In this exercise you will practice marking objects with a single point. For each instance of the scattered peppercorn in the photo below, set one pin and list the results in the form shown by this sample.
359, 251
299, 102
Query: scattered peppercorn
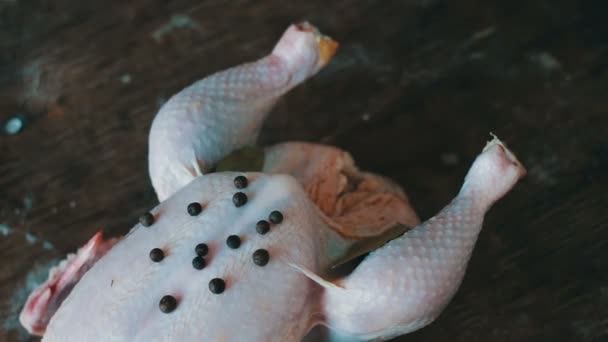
262, 227
275, 217
217, 285
198, 263
261, 257
239, 199
157, 255
167, 304
194, 208
233, 241
201, 249
146, 219
240, 182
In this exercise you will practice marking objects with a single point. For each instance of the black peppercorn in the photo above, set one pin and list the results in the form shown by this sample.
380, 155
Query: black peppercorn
198, 263
217, 285
240, 182
201, 249
261, 257
146, 219
157, 255
194, 209
275, 217
233, 241
262, 227
239, 199
167, 304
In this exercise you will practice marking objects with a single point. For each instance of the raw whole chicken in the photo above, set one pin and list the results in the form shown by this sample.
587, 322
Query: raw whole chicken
243, 253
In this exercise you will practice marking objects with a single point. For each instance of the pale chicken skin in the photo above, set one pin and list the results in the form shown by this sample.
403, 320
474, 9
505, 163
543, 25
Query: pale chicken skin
246, 255
128, 285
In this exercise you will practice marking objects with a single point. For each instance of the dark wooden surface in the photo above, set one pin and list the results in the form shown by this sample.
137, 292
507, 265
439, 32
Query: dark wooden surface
413, 93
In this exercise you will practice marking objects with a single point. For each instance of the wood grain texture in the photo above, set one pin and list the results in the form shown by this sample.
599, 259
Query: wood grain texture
415, 89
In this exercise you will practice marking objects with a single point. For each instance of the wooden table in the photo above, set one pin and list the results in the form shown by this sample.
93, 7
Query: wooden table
413, 93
